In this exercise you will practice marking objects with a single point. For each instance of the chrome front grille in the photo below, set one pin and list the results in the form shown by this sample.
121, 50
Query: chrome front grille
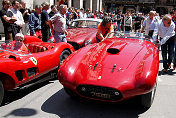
99, 92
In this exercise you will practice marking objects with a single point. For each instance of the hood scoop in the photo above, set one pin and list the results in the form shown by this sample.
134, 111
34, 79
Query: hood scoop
116, 47
113, 50
15, 58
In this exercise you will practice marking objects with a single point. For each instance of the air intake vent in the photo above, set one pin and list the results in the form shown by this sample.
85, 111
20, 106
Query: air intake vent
113, 50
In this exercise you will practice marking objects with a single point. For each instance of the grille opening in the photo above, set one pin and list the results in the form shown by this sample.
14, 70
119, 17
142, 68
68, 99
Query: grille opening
99, 92
31, 71
113, 50
19, 75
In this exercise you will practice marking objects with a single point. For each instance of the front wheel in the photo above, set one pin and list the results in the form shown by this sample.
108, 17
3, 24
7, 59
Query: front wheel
147, 99
1, 92
63, 56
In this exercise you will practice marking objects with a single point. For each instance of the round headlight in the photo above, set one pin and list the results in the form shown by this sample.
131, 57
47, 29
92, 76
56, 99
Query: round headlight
83, 89
116, 93
87, 42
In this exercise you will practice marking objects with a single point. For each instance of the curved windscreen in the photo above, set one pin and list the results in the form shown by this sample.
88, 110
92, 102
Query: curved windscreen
84, 24
130, 35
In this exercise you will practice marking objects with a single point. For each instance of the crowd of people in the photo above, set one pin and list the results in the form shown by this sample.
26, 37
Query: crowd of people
44, 21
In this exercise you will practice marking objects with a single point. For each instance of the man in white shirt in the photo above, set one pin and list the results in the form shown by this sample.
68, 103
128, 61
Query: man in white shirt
165, 30
18, 15
149, 24
59, 29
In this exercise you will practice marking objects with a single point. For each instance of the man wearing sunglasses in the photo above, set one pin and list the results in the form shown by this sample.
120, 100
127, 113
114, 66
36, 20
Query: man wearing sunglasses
165, 30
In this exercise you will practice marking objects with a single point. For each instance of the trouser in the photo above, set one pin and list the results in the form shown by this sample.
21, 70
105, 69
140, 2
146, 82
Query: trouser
118, 28
151, 33
25, 29
59, 37
167, 48
45, 34
8, 36
175, 51
127, 28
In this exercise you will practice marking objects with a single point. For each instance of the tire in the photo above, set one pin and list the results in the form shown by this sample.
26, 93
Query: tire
70, 93
1, 92
63, 56
147, 99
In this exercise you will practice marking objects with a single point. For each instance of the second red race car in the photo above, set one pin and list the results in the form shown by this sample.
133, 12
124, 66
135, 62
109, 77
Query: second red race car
19, 67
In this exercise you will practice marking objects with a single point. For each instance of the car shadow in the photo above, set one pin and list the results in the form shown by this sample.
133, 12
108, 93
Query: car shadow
64, 106
11, 96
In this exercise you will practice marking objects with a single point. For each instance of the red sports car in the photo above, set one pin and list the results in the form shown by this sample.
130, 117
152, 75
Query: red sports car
38, 58
118, 68
82, 32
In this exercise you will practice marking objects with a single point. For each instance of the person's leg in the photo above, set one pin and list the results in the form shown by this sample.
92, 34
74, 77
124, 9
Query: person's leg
8, 37
174, 58
118, 28
45, 34
164, 55
57, 37
63, 38
170, 50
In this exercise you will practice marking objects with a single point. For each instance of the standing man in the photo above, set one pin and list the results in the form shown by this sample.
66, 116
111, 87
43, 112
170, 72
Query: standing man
44, 22
128, 22
18, 15
138, 22
7, 20
35, 22
174, 20
165, 30
59, 20
25, 12
149, 24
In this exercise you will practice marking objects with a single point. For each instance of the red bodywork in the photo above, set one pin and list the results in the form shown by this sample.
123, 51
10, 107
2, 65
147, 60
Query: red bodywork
82, 32
129, 66
80, 35
19, 68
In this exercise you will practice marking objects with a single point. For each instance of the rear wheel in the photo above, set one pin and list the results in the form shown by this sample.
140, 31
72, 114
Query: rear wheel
147, 99
63, 56
1, 92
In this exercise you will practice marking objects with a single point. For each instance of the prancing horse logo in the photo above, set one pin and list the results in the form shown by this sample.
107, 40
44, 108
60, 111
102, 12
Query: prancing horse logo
34, 60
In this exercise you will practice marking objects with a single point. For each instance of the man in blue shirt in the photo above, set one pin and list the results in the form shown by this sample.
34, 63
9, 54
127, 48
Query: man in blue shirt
35, 22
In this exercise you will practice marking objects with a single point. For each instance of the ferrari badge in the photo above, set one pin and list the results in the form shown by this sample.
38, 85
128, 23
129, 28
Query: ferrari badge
34, 60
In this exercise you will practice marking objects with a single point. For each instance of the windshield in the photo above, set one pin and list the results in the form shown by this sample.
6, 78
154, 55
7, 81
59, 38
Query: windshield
131, 35
18, 48
84, 24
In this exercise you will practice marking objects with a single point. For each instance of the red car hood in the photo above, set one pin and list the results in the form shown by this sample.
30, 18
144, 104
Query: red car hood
96, 65
80, 34
106, 55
